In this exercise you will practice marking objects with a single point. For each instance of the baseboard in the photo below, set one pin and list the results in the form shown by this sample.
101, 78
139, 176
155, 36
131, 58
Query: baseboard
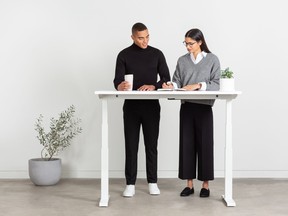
20, 174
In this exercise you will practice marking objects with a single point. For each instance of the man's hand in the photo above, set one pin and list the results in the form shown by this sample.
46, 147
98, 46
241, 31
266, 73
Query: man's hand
147, 88
123, 86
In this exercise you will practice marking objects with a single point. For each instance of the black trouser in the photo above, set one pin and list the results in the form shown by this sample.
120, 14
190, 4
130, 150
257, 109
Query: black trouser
147, 114
196, 142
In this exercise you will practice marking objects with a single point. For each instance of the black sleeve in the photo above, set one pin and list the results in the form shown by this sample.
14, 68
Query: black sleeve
119, 71
162, 70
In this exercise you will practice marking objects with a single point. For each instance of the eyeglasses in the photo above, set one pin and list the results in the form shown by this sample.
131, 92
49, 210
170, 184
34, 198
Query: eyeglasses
188, 44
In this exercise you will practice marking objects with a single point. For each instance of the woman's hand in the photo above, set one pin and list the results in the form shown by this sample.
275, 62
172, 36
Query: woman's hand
167, 85
193, 87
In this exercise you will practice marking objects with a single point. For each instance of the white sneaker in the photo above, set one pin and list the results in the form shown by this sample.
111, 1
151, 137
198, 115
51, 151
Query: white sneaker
153, 189
129, 191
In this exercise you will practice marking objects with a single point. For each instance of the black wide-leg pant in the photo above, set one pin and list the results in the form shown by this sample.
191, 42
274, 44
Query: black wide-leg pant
147, 114
196, 142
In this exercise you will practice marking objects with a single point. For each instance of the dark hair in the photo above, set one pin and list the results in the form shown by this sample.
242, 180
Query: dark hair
138, 27
197, 35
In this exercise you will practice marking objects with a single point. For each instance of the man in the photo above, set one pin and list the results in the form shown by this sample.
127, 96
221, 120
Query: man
146, 63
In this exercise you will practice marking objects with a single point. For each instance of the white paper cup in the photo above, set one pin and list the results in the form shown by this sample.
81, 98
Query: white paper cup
129, 78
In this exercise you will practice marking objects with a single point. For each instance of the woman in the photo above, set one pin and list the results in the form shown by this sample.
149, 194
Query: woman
199, 69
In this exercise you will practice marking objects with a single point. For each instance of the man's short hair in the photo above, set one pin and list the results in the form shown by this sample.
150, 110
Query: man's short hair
138, 27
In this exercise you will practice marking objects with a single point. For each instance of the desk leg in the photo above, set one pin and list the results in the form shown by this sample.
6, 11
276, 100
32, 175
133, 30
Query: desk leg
104, 157
228, 156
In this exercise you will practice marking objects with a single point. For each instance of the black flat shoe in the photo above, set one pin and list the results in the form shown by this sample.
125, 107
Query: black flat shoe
187, 191
204, 192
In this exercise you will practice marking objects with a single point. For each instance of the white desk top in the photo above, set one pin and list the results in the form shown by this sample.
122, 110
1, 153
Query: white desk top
167, 94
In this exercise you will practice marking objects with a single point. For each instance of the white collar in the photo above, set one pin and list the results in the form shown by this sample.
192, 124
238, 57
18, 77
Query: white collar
199, 57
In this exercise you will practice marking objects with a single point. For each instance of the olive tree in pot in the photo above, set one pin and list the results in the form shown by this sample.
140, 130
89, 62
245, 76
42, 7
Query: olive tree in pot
47, 169
227, 82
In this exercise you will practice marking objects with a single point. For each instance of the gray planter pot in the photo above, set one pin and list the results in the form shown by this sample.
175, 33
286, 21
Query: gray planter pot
44, 172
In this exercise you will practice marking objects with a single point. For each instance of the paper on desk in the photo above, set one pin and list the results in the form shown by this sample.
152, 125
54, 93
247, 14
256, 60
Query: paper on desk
164, 89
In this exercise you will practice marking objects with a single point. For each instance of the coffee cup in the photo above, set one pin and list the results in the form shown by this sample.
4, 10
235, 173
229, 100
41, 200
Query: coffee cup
129, 78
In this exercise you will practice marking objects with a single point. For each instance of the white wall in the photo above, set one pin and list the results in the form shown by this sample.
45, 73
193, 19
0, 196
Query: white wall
58, 52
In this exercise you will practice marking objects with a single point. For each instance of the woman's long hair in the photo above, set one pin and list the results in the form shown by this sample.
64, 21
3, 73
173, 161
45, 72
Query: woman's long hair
197, 35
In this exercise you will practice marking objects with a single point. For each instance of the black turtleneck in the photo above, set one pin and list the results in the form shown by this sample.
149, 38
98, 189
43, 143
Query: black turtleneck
144, 64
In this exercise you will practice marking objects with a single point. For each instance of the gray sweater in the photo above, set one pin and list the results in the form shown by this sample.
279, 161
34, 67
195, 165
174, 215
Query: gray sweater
207, 70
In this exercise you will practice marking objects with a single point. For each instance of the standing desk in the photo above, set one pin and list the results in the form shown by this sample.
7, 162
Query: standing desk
172, 95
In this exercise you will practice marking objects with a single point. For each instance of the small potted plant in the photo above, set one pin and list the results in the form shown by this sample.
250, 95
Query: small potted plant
227, 80
47, 169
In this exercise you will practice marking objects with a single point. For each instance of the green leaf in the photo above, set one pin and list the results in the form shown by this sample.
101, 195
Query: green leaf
62, 131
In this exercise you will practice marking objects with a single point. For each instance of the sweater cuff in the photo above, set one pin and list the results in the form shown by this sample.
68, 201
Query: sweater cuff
203, 86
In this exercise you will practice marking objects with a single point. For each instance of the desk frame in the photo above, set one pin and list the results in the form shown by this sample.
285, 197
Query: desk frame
172, 95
